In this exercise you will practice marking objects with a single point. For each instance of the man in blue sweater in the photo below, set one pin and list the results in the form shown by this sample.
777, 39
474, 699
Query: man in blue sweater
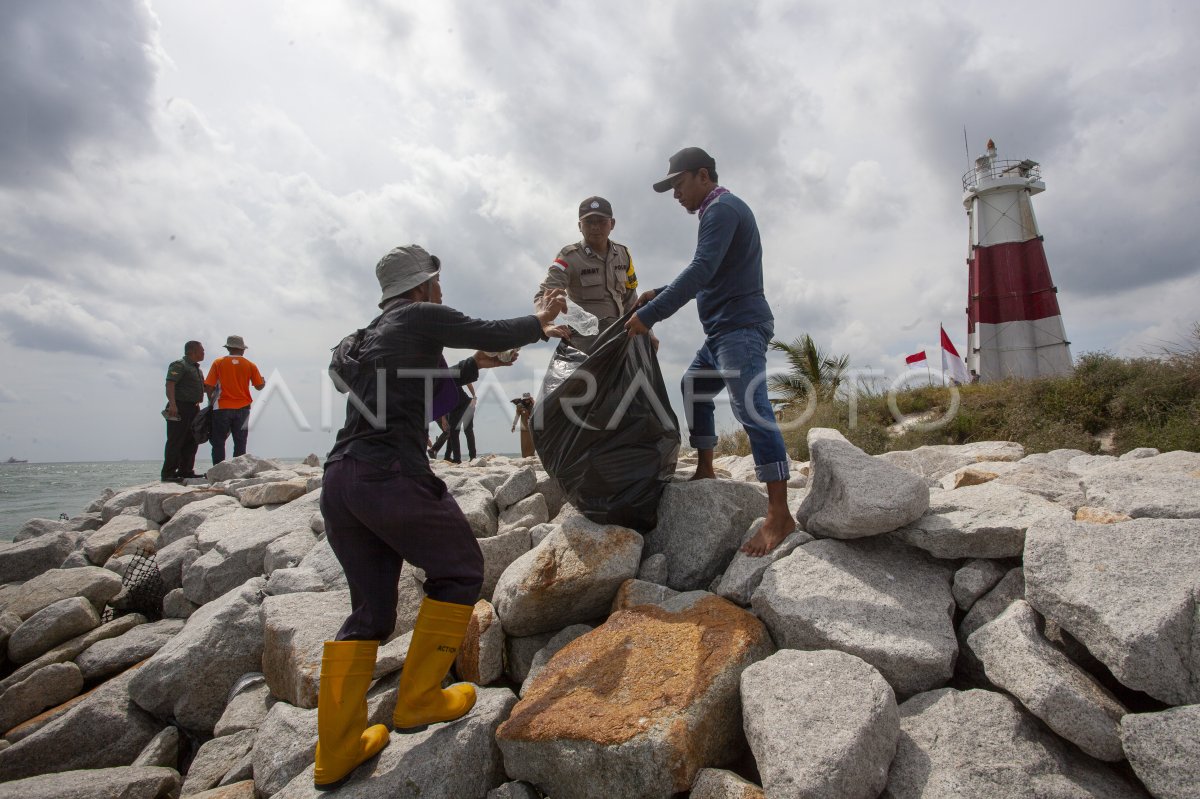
726, 279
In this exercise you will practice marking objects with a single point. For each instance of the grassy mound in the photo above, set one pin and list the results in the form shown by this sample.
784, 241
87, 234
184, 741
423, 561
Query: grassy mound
1109, 404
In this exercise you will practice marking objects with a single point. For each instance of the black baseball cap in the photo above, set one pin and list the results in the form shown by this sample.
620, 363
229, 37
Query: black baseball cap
595, 206
688, 159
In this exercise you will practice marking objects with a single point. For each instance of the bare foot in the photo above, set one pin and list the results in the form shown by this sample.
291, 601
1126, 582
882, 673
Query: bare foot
703, 474
770, 535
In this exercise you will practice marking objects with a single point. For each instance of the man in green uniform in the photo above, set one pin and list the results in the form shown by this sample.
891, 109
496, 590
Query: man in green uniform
185, 390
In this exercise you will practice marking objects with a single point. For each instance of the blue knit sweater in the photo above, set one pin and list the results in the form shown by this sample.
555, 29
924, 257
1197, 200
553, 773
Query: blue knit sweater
725, 276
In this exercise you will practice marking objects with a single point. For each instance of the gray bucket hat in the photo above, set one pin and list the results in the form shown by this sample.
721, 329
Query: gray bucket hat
405, 268
235, 343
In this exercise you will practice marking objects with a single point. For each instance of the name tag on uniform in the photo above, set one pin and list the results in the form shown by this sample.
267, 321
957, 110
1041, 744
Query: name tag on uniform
593, 270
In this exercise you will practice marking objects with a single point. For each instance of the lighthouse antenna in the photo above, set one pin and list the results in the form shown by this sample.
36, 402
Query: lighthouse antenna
967, 147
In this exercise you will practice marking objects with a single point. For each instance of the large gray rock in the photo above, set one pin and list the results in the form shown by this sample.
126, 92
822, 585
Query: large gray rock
983, 521
288, 551
248, 708
479, 508
519, 654
744, 574
163, 750
661, 702
527, 513
101, 545
715, 783
272, 493
45, 688
1018, 659
1128, 593
852, 495
51, 626
152, 501
114, 655
982, 744
455, 759
937, 460
190, 677
296, 627
188, 520
25, 560
242, 466
235, 545
321, 560
131, 499
294, 581
174, 503
104, 729
499, 551
125, 782
884, 601
513, 790
1054, 484
69, 649
95, 584
516, 488
822, 724
976, 578
1164, 750
1159, 487
37, 527
570, 577
700, 527
171, 560
216, 758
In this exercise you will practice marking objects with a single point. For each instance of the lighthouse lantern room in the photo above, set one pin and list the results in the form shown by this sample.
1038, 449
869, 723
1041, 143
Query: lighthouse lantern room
1014, 326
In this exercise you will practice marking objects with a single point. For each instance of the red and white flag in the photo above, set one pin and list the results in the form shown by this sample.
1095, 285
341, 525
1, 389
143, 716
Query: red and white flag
916, 360
952, 363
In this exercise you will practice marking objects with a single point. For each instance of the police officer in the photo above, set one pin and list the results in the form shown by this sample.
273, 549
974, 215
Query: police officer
597, 273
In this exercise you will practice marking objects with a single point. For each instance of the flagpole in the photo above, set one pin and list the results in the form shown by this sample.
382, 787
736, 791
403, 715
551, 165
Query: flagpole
928, 373
942, 331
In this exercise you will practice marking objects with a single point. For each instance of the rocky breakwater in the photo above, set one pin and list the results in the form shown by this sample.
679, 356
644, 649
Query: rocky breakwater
949, 621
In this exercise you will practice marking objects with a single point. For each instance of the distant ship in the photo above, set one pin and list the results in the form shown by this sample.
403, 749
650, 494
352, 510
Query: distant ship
15, 460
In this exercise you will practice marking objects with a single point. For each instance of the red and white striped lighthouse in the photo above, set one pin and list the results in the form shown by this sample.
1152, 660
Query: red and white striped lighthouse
1014, 326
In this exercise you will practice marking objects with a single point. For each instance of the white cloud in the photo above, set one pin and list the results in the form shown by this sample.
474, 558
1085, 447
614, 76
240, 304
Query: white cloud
168, 189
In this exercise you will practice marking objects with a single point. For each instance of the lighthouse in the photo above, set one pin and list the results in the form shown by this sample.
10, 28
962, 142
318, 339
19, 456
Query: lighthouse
1014, 326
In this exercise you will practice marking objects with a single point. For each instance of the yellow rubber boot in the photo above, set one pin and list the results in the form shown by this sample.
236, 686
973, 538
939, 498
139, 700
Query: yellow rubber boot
421, 699
343, 738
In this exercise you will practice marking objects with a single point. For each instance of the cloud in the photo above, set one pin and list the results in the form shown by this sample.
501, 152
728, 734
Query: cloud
8, 396
38, 320
72, 74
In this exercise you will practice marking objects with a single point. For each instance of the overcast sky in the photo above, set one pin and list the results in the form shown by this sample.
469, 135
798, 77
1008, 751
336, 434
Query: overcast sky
178, 170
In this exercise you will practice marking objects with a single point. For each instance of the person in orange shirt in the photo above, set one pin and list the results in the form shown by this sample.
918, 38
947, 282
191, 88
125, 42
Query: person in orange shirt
228, 386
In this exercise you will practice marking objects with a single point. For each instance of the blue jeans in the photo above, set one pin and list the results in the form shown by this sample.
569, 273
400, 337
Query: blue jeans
737, 361
224, 422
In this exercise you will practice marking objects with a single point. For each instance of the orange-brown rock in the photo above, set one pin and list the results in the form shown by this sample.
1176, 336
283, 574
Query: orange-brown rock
481, 657
973, 477
640, 704
1100, 516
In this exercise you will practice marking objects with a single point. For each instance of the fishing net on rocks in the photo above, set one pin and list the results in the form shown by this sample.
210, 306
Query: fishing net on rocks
142, 589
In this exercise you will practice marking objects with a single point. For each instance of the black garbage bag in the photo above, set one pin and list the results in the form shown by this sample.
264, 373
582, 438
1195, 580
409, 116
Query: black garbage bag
202, 424
604, 428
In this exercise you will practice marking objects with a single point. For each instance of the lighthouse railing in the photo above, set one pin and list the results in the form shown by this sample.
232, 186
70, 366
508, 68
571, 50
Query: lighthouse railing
995, 170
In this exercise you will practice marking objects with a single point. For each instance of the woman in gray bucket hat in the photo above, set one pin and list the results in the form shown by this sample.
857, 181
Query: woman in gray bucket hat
383, 505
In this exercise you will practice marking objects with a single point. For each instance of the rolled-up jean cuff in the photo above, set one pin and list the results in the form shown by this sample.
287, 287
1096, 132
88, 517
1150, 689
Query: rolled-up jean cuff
770, 472
703, 442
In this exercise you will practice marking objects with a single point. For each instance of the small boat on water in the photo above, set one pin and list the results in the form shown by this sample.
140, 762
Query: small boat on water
15, 460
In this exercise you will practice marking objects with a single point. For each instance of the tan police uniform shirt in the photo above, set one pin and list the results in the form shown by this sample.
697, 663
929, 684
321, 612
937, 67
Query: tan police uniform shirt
606, 287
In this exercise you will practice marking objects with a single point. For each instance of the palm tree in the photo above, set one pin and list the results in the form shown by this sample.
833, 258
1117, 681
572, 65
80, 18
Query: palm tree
812, 369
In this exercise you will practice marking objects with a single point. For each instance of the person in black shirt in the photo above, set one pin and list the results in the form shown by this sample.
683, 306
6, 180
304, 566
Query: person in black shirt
383, 506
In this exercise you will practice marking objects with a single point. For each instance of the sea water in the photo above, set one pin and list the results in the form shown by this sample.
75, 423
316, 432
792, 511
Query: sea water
44, 490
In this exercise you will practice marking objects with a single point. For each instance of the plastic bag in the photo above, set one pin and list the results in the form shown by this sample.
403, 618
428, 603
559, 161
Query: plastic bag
583, 321
604, 428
